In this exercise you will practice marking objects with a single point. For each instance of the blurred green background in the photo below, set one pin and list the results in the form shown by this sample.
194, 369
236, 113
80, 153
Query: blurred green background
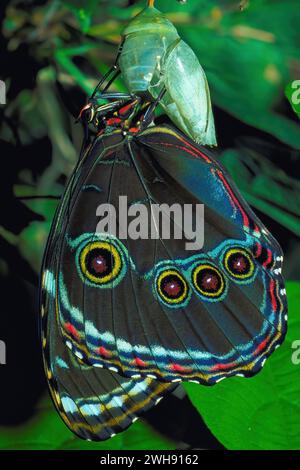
52, 56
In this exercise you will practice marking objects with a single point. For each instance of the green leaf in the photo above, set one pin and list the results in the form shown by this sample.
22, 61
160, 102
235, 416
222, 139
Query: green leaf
262, 412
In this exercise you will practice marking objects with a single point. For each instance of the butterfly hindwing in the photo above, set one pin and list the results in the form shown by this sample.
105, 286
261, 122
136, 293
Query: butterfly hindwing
150, 307
95, 403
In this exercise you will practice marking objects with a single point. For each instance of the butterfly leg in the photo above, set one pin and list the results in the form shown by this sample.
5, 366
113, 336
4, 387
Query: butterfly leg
110, 75
149, 114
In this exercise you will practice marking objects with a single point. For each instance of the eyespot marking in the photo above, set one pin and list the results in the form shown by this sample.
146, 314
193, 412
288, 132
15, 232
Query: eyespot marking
172, 288
239, 264
101, 262
208, 281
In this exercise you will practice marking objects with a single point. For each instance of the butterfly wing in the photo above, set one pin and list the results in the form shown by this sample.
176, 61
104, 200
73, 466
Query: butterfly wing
151, 307
93, 402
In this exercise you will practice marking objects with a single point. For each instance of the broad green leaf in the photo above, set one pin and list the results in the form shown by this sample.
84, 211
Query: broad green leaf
262, 412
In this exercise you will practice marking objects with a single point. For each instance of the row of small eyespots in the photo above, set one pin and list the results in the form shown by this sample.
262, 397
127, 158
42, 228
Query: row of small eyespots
237, 261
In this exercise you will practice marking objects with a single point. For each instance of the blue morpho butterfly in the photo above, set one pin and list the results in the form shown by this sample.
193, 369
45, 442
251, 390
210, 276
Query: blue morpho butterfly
124, 320
94, 403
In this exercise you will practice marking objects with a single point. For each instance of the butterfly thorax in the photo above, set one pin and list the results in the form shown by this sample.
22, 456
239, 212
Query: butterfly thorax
115, 116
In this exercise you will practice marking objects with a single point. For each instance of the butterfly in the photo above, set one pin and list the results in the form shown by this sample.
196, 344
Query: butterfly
124, 320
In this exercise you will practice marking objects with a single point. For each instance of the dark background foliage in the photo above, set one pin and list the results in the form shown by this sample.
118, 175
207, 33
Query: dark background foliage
52, 55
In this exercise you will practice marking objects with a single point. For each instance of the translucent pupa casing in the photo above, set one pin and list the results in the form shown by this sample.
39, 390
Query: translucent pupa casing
147, 37
187, 100
154, 57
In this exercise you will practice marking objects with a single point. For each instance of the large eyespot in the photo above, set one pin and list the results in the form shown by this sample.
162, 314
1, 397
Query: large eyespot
208, 281
101, 263
172, 288
238, 262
